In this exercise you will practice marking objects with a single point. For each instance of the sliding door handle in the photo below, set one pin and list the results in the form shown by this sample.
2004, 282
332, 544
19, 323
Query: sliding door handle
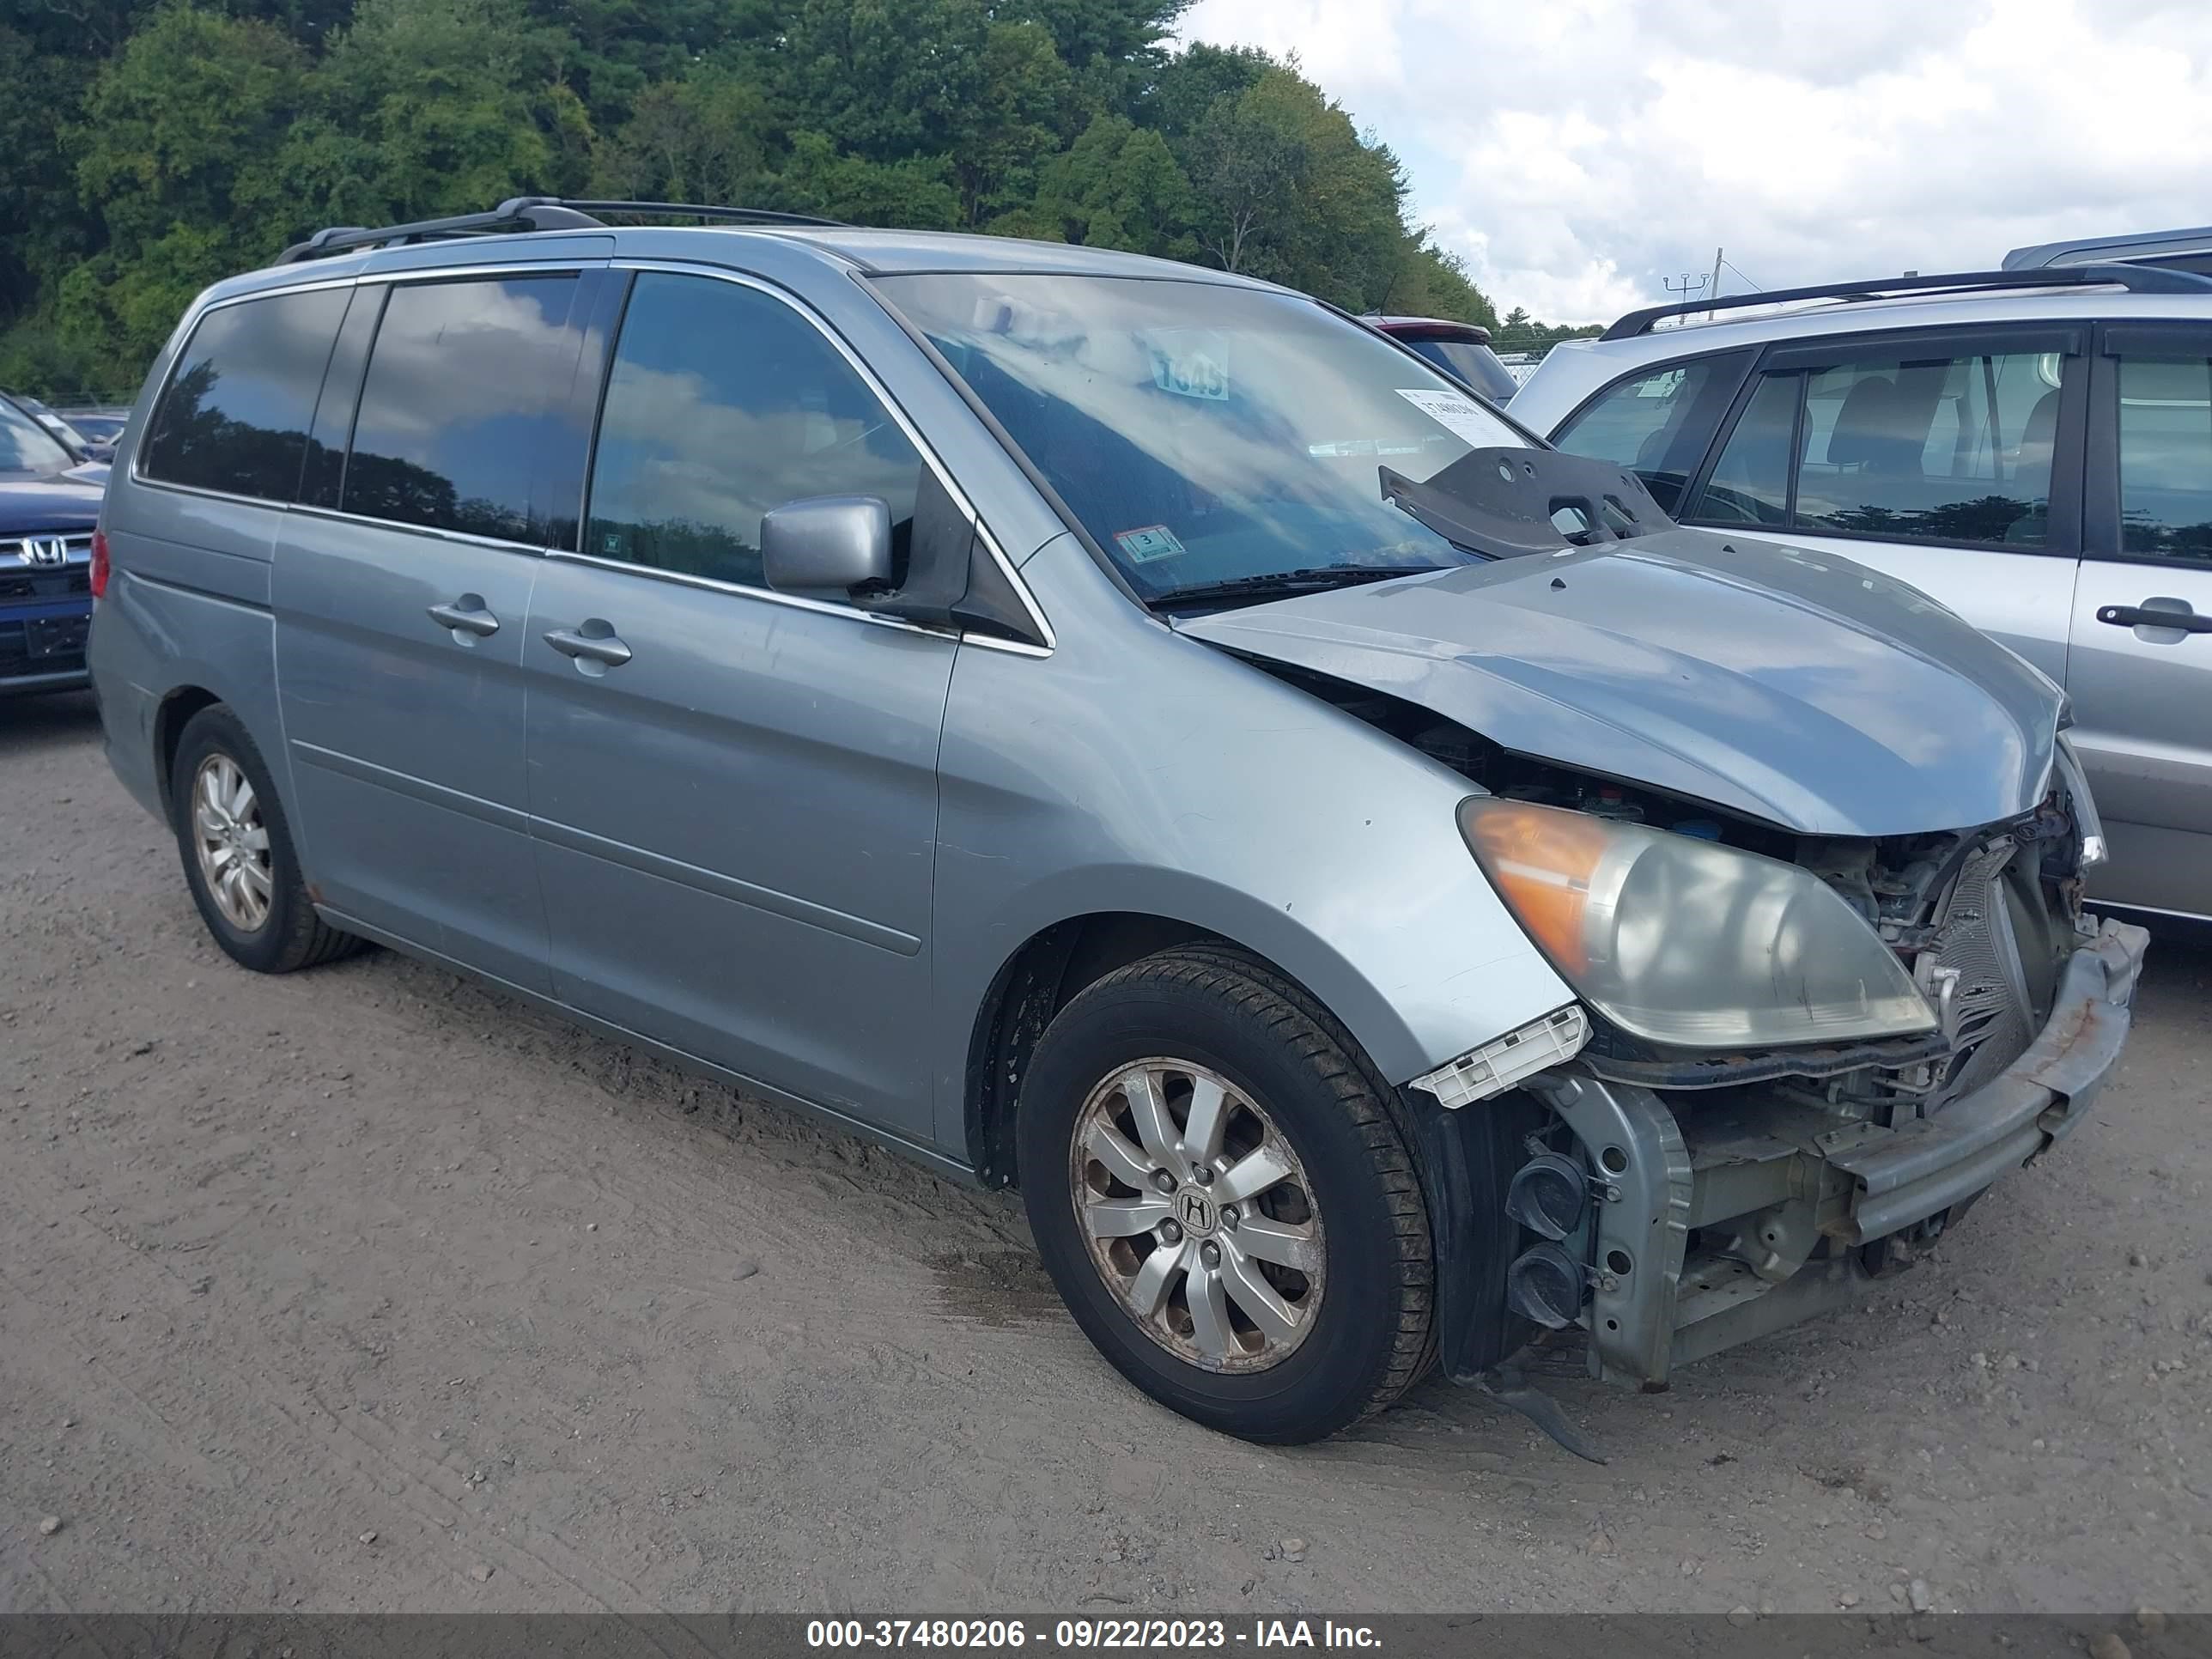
465, 615
595, 642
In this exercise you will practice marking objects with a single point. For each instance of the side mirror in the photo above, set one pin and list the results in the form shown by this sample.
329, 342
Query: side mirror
104, 450
827, 546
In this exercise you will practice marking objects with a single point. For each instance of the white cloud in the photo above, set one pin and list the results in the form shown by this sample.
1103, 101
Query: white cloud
1583, 152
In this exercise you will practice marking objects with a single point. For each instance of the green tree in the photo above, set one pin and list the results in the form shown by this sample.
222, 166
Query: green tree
154, 145
1518, 331
1432, 282
619, 49
1188, 86
883, 80
430, 106
1115, 50
917, 193
42, 226
1005, 128
1245, 161
1132, 32
1286, 189
1118, 186
179, 195
707, 136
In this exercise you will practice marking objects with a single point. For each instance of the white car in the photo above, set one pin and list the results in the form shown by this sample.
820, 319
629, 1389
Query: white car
2032, 447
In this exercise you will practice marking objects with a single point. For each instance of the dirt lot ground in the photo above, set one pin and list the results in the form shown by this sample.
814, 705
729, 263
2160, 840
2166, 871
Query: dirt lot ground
367, 1289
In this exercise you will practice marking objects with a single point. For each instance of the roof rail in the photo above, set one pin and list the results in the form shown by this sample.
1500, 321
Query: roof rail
689, 210
520, 213
2137, 279
2134, 246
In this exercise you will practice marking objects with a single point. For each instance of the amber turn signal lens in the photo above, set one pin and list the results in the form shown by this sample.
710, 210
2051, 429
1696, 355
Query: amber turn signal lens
1542, 860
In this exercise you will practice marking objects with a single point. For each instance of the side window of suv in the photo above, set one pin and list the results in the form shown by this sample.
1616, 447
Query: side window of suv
2165, 458
1658, 424
463, 397
724, 402
234, 415
1955, 449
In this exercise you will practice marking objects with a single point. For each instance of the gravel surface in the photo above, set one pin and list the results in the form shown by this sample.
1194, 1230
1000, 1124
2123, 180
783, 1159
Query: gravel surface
366, 1288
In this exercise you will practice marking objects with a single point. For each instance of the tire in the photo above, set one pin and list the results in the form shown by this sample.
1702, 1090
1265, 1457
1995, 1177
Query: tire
1296, 1093
264, 921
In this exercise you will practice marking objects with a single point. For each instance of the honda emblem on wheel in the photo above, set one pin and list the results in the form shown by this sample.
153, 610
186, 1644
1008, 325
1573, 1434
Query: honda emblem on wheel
1196, 1211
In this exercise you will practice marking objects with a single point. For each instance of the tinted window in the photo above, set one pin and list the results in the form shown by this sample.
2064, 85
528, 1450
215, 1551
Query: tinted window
1954, 449
1658, 424
464, 388
1470, 361
1750, 481
2165, 457
235, 415
723, 404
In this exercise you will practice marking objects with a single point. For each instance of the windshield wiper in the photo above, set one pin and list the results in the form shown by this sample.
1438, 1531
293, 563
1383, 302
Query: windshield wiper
1278, 584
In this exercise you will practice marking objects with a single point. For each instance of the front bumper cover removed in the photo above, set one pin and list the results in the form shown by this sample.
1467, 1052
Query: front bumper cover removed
1662, 1178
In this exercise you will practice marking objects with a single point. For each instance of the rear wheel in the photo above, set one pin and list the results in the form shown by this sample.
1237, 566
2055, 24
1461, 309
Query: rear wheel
236, 845
1220, 1192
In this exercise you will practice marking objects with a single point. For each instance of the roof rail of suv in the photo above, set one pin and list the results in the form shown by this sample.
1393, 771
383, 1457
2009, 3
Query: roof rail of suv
2138, 279
523, 213
2148, 246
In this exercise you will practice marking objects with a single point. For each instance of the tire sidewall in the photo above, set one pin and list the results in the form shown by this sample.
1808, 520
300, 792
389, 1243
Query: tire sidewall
213, 731
1327, 1380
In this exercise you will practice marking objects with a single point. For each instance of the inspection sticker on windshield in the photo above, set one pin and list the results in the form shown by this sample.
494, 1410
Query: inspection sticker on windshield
1190, 363
1148, 542
1450, 410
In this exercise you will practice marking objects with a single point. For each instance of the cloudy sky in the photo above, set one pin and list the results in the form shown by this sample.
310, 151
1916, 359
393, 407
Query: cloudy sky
1578, 152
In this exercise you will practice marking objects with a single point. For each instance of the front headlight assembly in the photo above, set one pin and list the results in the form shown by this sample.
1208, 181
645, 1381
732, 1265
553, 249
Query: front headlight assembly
1688, 943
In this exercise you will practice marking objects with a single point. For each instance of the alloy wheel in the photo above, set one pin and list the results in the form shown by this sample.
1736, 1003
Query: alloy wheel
1198, 1214
232, 842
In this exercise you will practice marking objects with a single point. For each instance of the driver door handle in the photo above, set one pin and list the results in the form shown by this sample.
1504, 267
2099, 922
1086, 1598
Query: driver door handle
2137, 616
465, 615
605, 649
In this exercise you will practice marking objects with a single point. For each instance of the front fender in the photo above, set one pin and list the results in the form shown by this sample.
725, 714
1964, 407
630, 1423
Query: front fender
1136, 771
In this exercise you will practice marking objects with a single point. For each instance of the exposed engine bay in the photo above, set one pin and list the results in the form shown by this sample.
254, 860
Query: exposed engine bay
1673, 1203
1984, 917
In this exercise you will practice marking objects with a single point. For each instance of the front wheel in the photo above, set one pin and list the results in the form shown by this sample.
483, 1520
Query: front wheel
1222, 1195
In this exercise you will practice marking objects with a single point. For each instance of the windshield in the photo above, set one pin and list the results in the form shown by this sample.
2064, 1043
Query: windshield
1471, 361
27, 447
1201, 433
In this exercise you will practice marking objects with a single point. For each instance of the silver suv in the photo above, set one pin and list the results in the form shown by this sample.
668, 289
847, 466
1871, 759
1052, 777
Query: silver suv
2031, 446
1381, 889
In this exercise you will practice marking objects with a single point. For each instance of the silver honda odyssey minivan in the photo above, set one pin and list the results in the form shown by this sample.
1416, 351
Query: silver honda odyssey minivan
1383, 892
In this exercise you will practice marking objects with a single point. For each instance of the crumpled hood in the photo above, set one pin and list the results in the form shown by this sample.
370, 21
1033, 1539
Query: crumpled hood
1779, 683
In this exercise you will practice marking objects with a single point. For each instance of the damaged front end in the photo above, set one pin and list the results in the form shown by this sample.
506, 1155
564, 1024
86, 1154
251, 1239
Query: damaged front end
1715, 784
1673, 1202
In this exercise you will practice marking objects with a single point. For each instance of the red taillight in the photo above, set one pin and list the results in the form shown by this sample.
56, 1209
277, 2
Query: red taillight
99, 564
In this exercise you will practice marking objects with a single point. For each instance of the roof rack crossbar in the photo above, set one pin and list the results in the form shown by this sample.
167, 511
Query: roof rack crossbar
521, 213
2139, 279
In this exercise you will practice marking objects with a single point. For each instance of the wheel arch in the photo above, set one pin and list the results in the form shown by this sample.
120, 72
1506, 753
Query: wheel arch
171, 715
1050, 968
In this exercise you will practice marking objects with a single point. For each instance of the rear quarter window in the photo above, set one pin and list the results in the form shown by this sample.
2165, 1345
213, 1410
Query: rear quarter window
234, 416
